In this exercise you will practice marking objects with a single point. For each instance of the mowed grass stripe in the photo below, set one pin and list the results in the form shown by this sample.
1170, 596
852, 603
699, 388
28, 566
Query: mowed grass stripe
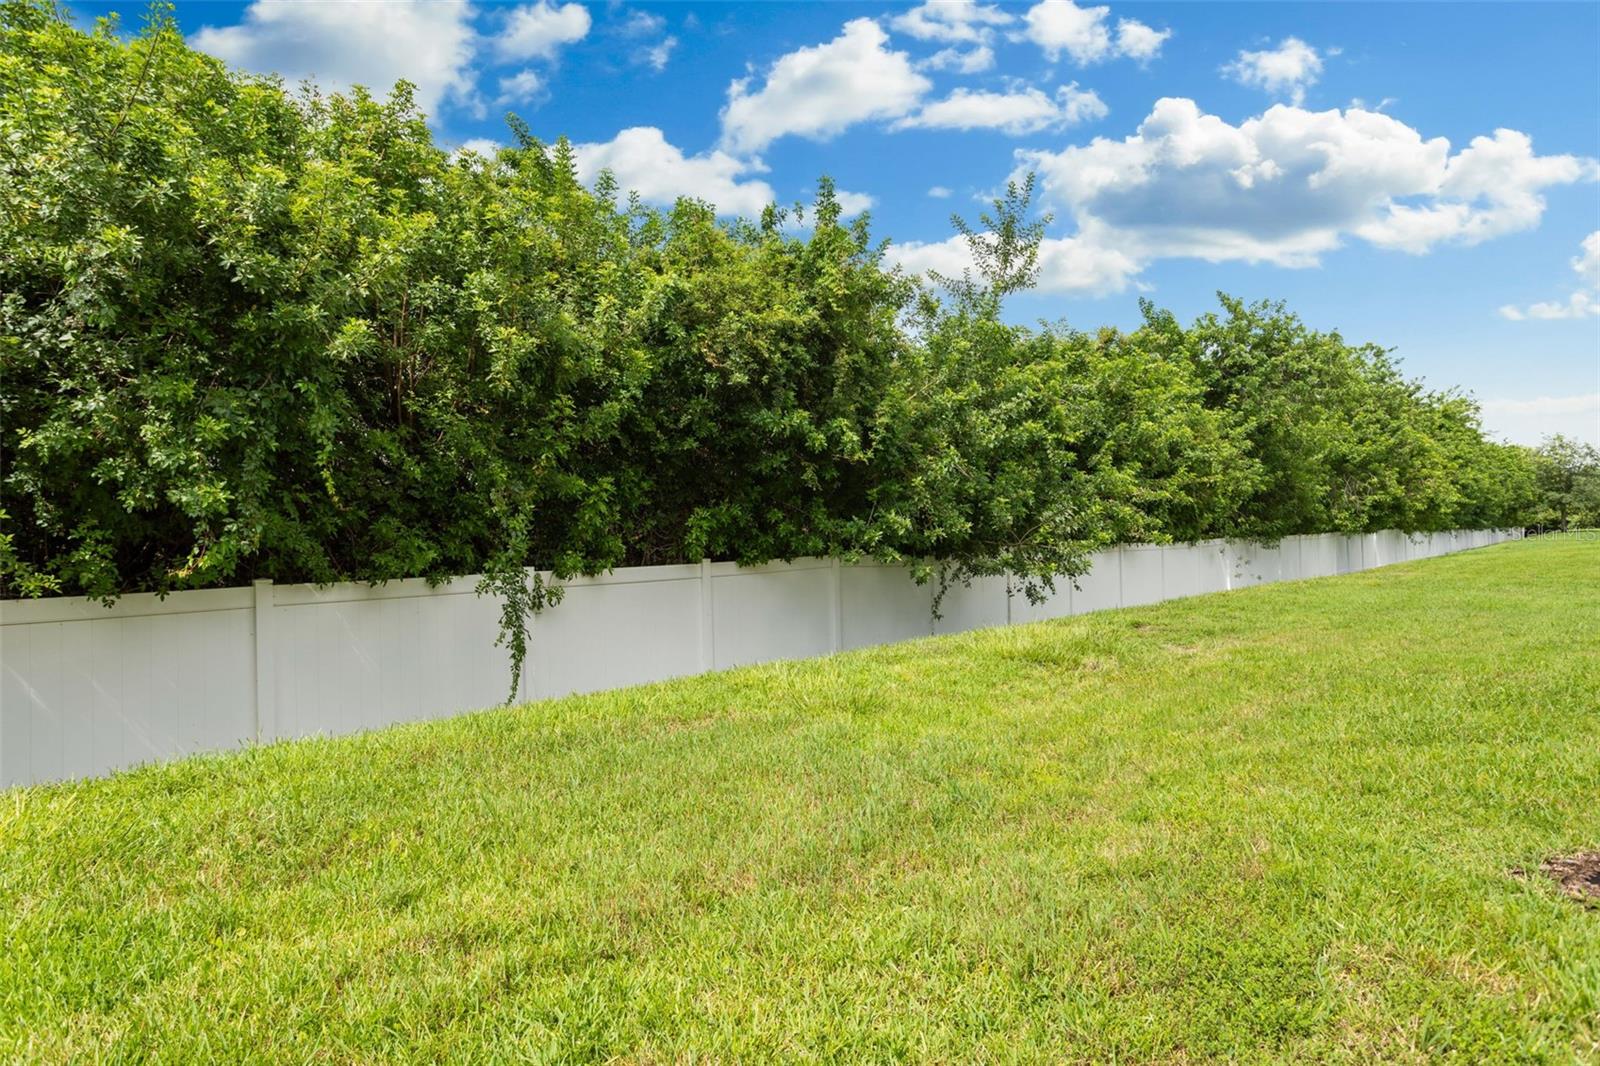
1270, 824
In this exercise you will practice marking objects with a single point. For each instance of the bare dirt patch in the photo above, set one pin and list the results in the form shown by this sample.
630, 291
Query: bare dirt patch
1577, 874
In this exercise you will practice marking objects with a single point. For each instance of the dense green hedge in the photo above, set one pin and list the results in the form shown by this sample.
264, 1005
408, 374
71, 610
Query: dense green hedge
253, 333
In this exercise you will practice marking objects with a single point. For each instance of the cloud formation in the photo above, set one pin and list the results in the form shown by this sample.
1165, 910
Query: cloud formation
1086, 34
374, 44
819, 91
655, 56
643, 161
1290, 185
952, 22
1287, 70
655, 46
1020, 111
483, 146
968, 29
540, 30
1285, 188
1139, 42
853, 203
519, 88
972, 61
642, 24
1583, 302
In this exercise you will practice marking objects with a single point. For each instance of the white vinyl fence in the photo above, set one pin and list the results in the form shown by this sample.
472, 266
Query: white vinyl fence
86, 689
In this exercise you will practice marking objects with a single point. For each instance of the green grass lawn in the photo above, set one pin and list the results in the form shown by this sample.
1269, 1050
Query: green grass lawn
1268, 824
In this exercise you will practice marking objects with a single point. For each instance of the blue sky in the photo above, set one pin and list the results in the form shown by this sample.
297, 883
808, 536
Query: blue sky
1421, 176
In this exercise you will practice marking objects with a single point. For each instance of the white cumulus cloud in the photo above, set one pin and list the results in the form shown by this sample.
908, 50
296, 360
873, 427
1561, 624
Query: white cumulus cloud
540, 30
1290, 185
948, 257
966, 26
853, 203
374, 44
655, 46
1287, 70
1138, 41
818, 91
1024, 110
952, 21
972, 61
1086, 34
519, 88
1488, 189
1583, 302
643, 161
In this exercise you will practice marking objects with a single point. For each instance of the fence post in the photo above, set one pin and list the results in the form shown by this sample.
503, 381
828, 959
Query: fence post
836, 623
525, 678
708, 628
266, 667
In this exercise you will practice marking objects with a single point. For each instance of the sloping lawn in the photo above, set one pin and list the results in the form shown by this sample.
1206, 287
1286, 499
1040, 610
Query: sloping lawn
1269, 824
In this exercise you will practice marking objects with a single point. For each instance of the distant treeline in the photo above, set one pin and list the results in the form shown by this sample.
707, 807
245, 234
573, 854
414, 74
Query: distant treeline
248, 332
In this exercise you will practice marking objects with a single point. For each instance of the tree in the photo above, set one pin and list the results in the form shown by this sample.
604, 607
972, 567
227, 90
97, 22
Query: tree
1568, 478
977, 463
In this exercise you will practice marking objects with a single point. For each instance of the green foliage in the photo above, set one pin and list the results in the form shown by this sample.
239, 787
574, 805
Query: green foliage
753, 434
1567, 483
1179, 468
251, 333
1005, 251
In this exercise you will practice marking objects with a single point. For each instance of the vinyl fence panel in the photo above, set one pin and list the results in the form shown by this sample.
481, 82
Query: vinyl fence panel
637, 624
882, 605
979, 605
86, 690
1100, 588
782, 611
